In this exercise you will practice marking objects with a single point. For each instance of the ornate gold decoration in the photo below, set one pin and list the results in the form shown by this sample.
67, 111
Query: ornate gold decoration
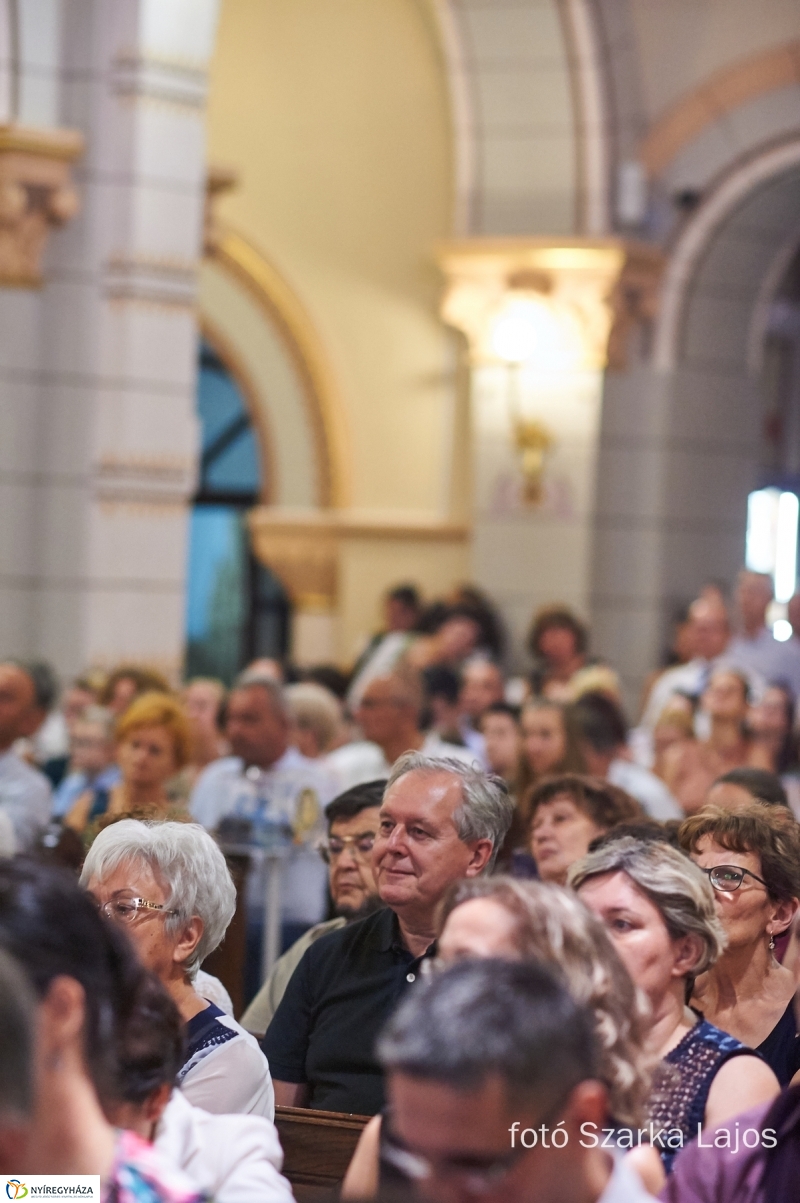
36, 194
599, 287
533, 441
303, 547
219, 180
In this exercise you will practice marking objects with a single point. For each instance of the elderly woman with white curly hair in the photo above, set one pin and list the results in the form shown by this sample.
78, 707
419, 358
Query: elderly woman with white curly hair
167, 885
658, 908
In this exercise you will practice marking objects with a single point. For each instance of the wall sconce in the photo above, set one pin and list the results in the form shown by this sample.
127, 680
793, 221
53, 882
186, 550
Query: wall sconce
527, 328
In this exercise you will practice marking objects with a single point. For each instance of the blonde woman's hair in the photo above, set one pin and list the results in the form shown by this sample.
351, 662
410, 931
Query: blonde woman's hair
673, 883
553, 926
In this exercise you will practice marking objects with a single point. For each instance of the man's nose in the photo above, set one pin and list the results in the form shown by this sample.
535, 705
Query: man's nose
397, 837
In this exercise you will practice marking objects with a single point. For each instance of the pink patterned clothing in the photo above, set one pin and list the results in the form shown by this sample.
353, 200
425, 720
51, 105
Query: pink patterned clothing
141, 1175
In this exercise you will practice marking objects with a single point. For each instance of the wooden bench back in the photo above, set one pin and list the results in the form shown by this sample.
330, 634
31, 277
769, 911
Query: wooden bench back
317, 1148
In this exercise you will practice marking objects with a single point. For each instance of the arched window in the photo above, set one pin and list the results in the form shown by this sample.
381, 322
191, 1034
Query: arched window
236, 609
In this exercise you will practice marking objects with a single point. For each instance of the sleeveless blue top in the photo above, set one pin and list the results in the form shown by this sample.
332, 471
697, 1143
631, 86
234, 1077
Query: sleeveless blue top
682, 1084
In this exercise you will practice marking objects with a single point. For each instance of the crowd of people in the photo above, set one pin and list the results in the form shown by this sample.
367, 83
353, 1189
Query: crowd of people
553, 955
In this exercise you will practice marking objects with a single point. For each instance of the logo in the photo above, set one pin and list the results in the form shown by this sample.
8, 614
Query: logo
16, 1189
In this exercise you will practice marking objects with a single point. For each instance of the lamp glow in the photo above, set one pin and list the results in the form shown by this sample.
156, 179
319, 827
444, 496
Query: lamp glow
782, 630
762, 515
786, 547
527, 329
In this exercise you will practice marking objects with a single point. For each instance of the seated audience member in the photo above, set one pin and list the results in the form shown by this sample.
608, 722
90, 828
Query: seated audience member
230, 1158
25, 793
77, 697
353, 820
456, 637
771, 723
603, 743
566, 813
484, 1052
659, 911
316, 718
708, 636
168, 887
752, 858
691, 768
48, 746
558, 642
440, 821
517, 921
742, 786
402, 609
755, 647
441, 713
675, 726
153, 741
389, 716
275, 794
85, 979
91, 765
502, 737
204, 701
482, 685
128, 682
761, 1168
549, 741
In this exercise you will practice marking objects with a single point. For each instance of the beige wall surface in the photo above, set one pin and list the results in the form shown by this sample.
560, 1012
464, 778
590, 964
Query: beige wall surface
681, 42
335, 115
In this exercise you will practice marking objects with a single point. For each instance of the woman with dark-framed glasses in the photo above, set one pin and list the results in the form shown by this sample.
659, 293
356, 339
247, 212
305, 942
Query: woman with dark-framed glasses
659, 910
168, 887
751, 855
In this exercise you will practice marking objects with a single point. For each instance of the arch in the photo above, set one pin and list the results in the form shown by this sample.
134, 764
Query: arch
285, 312
741, 179
724, 91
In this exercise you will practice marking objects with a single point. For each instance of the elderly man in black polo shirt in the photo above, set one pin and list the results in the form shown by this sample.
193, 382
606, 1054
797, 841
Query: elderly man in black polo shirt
440, 821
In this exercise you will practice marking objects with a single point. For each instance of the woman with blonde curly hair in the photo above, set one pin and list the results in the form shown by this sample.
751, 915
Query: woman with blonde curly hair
153, 742
519, 920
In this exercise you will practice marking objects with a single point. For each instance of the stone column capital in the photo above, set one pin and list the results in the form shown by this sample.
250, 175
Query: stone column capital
587, 292
36, 194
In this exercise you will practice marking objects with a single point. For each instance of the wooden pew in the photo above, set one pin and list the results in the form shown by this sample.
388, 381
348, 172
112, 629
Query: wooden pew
317, 1147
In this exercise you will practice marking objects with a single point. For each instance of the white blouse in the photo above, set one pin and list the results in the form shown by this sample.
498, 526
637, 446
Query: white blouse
225, 1071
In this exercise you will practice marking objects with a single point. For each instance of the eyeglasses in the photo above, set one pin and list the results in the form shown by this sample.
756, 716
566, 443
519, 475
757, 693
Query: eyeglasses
332, 848
126, 910
728, 878
478, 1174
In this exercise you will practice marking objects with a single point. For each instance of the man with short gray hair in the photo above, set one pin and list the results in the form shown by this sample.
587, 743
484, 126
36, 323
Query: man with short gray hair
440, 821
495, 1091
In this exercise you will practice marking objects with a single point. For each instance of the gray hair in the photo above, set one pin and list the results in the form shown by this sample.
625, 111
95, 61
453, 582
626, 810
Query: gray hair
315, 708
273, 689
672, 882
482, 1017
486, 808
17, 1010
186, 859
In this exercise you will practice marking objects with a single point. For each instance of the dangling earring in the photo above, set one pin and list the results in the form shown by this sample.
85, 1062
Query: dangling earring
771, 943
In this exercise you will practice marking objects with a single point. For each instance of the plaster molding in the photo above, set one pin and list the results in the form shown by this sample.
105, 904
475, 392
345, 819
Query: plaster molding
173, 82
591, 117
152, 281
724, 91
304, 547
36, 196
151, 481
604, 286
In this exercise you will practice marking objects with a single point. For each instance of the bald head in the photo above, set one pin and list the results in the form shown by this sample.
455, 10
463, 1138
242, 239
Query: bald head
709, 628
390, 708
19, 714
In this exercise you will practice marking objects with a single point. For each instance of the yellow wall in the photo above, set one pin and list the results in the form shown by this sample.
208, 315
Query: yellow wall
335, 114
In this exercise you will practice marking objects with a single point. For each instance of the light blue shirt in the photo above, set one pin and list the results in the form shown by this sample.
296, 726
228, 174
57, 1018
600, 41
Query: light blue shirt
27, 799
75, 784
294, 789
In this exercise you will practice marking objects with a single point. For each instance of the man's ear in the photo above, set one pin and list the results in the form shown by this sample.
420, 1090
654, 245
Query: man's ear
62, 1014
480, 852
189, 939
